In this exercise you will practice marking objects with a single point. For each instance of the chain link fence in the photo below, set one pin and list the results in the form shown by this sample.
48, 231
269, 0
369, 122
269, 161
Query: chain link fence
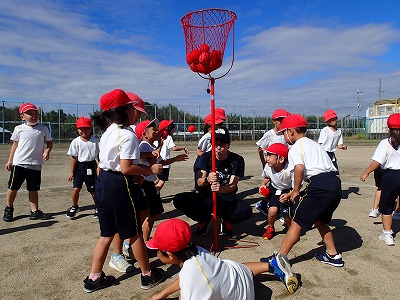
60, 119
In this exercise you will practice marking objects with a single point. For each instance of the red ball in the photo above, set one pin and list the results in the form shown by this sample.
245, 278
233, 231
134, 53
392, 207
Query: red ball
264, 191
204, 48
191, 128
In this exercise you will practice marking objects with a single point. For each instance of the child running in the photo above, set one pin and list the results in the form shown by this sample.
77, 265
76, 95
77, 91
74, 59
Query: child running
25, 161
116, 196
309, 161
84, 150
330, 137
204, 276
270, 137
277, 176
387, 156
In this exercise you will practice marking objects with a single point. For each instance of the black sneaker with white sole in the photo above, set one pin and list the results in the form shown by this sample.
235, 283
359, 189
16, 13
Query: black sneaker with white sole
71, 213
38, 215
8, 214
156, 277
101, 283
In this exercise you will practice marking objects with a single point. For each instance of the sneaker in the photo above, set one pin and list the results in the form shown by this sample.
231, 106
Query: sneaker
103, 282
157, 275
38, 215
119, 263
95, 214
325, 258
8, 214
396, 215
71, 213
269, 233
226, 228
127, 250
374, 213
202, 228
386, 237
262, 207
283, 271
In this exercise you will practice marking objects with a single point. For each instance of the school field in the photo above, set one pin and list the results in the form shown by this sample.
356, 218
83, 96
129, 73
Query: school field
49, 259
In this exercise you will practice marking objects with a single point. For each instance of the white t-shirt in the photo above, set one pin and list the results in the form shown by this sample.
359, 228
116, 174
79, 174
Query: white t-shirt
387, 156
165, 149
115, 144
269, 138
279, 180
330, 139
205, 142
208, 277
31, 142
310, 154
84, 150
146, 147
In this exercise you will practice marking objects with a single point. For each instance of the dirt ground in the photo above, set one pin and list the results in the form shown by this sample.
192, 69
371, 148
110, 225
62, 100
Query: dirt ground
49, 259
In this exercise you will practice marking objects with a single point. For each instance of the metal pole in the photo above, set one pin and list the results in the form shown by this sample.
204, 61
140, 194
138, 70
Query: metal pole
213, 165
3, 123
59, 123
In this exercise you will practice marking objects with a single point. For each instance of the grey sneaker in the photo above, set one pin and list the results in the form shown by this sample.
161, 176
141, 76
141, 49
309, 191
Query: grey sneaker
8, 214
374, 213
119, 263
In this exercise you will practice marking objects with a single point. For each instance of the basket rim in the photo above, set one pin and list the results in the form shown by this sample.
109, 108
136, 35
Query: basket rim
231, 13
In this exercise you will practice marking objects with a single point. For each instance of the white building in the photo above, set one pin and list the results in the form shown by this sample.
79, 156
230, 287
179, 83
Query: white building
377, 115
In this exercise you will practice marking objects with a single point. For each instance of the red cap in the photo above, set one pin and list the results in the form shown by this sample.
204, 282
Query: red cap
138, 102
141, 127
114, 99
280, 113
293, 121
218, 119
278, 149
329, 114
164, 124
171, 235
394, 121
220, 113
83, 122
25, 107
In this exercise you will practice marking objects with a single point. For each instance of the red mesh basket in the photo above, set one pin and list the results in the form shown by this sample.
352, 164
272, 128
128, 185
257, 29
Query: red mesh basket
206, 33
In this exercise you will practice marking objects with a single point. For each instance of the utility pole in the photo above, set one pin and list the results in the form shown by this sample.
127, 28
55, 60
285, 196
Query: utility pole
358, 106
380, 89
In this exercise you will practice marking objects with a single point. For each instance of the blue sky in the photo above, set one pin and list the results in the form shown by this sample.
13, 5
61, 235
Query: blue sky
305, 56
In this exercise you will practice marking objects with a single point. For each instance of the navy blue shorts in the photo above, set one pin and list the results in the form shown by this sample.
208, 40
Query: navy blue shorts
117, 200
378, 174
283, 208
152, 197
19, 174
81, 175
164, 174
390, 191
322, 197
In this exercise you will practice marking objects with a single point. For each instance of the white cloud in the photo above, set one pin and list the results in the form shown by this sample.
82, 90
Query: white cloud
54, 54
